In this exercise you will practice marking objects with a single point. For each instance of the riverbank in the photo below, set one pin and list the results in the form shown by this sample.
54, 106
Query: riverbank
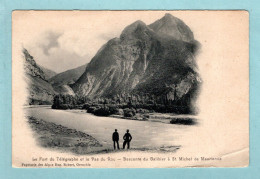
139, 115
166, 118
147, 136
53, 136
58, 137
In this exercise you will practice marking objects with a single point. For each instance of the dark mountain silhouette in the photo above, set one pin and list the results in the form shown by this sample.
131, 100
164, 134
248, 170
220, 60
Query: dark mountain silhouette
158, 59
40, 90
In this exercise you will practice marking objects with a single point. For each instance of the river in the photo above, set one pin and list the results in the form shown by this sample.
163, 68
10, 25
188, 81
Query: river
146, 134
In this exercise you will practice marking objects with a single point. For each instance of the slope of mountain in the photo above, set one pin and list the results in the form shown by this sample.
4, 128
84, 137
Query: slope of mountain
47, 72
158, 60
39, 89
62, 81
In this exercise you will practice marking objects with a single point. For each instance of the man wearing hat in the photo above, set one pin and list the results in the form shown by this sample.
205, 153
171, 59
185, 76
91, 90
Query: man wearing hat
127, 139
115, 138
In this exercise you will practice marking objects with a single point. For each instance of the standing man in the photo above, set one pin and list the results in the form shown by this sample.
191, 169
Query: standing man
115, 138
127, 139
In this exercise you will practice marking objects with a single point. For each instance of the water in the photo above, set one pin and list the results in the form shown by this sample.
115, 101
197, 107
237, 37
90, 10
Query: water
146, 134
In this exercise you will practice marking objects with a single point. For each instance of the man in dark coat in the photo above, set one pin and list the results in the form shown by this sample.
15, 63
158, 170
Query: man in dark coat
115, 138
127, 139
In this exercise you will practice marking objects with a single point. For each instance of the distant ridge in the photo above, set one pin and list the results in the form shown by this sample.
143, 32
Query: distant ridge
47, 72
61, 82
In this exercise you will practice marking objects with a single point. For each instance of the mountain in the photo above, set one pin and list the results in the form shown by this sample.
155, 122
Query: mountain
62, 81
40, 90
174, 27
156, 60
47, 72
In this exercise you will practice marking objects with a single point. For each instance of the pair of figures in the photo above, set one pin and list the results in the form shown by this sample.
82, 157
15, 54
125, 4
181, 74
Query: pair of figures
127, 139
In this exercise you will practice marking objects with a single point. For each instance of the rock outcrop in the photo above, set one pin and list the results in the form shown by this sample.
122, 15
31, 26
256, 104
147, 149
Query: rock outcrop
40, 90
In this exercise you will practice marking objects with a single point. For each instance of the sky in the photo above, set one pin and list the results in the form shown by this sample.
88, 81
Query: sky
62, 40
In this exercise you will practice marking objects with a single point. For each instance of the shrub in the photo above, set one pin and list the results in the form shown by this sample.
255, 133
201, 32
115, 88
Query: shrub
184, 121
129, 112
92, 109
106, 110
142, 111
86, 106
76, 106
151, 111
102, 111
65, 106
145, 119
113, 109
146, 116
54, 106
120, 112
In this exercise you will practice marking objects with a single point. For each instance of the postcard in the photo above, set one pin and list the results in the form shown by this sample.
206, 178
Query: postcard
130, 89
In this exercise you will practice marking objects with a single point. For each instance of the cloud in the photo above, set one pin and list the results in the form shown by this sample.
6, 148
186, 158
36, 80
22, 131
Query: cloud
50, 41
59, 60
63, 49
60, 50
106, 36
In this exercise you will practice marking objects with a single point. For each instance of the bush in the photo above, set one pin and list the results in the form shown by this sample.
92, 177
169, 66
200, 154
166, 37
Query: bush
76, 106
102, 111
53, 106
107, 110
92, 109
146, 116
129, 112
120, 112
65, 106
86, 106
142, 111
145, 119
113, 110
184, 121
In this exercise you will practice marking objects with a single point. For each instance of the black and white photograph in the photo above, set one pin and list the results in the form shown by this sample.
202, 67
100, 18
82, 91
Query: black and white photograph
130, 89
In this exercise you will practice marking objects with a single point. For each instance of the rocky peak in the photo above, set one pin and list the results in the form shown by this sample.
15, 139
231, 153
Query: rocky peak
30, 66
136, 29
172, 26
40, 90
169, 17
153, 60
132, 27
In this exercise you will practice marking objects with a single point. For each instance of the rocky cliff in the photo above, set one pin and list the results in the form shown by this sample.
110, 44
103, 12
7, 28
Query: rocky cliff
158, 59
40, 90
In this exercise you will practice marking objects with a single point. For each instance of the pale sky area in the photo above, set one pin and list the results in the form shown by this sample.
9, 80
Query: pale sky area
61, 40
